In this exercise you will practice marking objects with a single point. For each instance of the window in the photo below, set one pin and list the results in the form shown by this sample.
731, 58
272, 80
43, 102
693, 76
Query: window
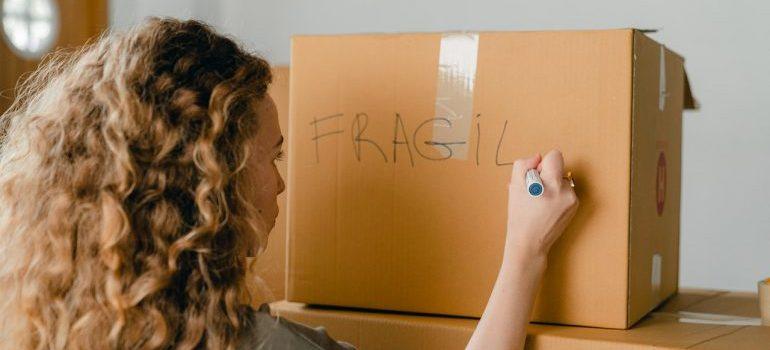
30, 27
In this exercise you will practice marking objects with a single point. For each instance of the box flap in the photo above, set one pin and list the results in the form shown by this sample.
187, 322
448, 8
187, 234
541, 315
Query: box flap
689, 100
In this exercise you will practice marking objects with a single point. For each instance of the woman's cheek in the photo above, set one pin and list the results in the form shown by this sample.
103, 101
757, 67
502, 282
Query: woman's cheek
265, 180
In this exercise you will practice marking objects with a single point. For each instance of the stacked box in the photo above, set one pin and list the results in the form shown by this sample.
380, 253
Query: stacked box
693, 319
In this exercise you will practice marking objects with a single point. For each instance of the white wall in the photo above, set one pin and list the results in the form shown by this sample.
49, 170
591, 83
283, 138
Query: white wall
726, 153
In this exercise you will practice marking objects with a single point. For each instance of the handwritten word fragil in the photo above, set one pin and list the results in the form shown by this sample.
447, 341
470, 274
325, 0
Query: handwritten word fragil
401, 139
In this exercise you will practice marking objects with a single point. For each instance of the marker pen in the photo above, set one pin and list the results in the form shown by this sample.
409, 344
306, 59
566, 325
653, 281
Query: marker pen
534, 184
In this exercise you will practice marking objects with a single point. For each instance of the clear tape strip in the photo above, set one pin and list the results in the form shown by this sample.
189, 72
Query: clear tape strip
708, 318
662, 93
656, 275
454, 94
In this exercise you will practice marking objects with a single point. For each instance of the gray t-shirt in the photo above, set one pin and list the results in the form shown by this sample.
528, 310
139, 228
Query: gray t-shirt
263, 331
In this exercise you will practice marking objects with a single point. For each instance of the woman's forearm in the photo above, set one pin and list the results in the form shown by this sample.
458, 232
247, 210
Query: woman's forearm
534, 224
504, 322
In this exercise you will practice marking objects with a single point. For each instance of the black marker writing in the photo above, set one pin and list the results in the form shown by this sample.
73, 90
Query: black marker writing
499, 143
478, 137
435, 143
400, 126
314, 123
418, 140
357, 130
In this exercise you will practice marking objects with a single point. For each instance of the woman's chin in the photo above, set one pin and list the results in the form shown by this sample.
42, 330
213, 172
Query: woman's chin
270, 226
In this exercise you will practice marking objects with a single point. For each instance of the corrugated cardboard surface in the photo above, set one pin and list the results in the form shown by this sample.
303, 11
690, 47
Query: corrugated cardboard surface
661, 330
382, 330
655, 176
375, 224
271, 265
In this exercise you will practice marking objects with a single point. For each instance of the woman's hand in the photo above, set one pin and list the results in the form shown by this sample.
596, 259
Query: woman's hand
535, 223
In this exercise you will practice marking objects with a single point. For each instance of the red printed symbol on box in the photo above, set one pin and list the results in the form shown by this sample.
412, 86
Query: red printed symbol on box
660, 183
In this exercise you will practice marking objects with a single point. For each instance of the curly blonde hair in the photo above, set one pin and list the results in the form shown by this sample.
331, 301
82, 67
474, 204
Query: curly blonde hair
124, 223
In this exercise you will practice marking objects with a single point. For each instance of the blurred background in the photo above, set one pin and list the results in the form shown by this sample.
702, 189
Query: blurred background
725, 222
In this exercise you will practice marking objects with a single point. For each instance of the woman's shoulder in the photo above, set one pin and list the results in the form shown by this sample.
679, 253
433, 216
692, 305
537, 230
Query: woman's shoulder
264, 331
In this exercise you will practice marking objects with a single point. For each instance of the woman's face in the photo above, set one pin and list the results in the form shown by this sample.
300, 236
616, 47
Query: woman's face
265, 183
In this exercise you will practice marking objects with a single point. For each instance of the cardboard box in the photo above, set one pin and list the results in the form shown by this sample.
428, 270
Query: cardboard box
400, 156
270, 270
694, 319
764, 300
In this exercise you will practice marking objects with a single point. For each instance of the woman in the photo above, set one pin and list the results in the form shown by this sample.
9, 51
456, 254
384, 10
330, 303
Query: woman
138, 174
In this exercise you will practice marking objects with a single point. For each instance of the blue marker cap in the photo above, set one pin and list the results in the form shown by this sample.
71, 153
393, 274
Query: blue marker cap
534, 184
535, 189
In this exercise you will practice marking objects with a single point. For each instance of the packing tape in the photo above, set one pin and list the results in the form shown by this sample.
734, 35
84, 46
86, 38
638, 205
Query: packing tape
708, 318
656, 275
458, 56
662, 93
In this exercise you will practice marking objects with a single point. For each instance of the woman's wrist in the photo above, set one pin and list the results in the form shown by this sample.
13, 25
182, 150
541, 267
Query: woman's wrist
526, 257
524, 248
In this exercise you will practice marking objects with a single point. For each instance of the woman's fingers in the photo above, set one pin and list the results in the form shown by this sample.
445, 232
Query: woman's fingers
552, 168
520, 167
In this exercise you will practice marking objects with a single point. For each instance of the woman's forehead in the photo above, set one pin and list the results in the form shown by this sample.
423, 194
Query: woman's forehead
269, 132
